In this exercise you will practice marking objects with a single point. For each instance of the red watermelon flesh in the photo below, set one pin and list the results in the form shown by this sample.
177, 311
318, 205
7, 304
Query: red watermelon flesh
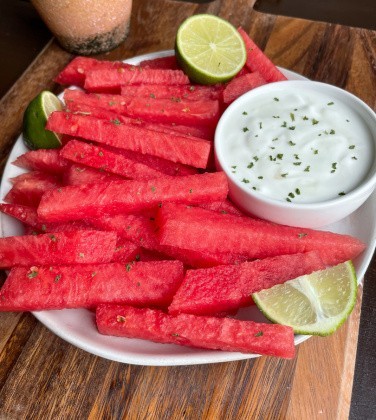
126, 163
29, 189
186, 150
59, 287
95, 200
141, 230
81, 108
75, 247
202, 113
101, 158
79, 175
229, 287
99, 80
202, 230
258, 61
174, 93
241, 85
75, 72
168, 62
44, 160
196, 331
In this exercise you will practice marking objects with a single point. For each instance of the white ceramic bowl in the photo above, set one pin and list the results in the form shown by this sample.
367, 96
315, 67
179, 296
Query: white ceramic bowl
304, 214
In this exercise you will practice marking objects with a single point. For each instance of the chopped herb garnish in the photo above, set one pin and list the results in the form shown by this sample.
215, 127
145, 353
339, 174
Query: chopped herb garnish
297, 163
128, 267
260, 125
291, 143
246, 181
284, 124
280, 156
53, 238
288, 199
302, 235
332, 131
57, 278
305, 118
297, 191
276, 99
245, 113
352, 147
233, 167
255, 158
291, 195
276, 116
250, 165
307, 168
292, 127
354, 158
259, 334
314, 121
116, 121
284, 175
120, 318
292, 116
245, 129
32, 274
342, 193
330, 103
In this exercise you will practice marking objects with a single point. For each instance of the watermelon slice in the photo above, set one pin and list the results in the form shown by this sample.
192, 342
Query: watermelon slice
100, 80
75, 72
174, 93
196, 331
90, 201
101, 158
43, 160
59, 287
178, 111
29, 188
186, 150
258, 61
229, 287
203, 230
79, 175
125, 163
168, 62
81, 108
25, 214
241, 85
76, 247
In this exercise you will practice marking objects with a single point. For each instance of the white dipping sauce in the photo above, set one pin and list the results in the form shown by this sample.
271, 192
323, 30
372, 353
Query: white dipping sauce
299, 146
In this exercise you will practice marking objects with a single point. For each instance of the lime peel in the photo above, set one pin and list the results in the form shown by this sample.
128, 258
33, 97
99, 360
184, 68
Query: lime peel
35, 117
314, 304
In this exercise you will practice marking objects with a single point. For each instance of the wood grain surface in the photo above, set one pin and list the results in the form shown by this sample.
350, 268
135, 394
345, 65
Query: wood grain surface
44, 377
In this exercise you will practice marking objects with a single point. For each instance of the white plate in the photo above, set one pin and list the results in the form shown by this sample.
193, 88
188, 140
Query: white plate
77, 326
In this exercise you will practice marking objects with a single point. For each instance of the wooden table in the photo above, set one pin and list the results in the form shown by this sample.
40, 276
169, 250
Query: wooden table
42, 376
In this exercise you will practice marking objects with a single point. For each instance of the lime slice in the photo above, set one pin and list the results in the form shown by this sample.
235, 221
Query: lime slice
315, 304
34, 121
209, 49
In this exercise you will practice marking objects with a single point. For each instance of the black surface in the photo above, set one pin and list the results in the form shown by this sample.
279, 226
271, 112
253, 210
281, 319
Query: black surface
363, 402
359, 13
22, 36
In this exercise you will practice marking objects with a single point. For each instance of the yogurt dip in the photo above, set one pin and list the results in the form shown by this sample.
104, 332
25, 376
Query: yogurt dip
297, 145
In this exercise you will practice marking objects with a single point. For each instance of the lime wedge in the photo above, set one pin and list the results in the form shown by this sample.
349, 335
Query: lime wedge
315, 304
209, 49
35, 118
